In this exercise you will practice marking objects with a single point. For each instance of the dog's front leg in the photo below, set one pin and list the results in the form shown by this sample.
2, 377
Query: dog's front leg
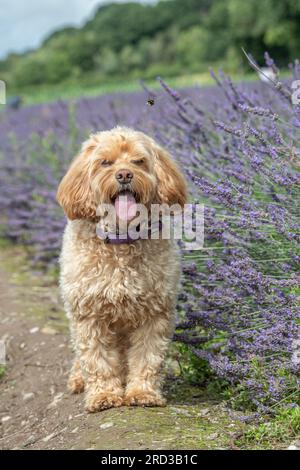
145, 358
101, 365
76, 380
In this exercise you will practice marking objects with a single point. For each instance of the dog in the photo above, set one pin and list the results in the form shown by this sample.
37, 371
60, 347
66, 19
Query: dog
119, 297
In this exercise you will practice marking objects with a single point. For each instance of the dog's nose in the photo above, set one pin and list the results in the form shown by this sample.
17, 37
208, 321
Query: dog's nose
124, 176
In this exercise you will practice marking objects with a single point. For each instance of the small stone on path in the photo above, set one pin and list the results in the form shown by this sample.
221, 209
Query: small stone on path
106, 425
213, 436
47, 438
55, 401
33, 330
48, 330
28, 396
5, 419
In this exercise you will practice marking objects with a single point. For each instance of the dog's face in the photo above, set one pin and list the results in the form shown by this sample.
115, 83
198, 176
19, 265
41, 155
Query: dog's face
116, 162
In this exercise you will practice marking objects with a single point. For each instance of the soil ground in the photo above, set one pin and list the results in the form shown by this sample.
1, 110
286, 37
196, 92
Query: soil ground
36, 410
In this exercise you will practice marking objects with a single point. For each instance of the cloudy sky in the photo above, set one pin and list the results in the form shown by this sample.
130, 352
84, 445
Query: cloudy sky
25, 23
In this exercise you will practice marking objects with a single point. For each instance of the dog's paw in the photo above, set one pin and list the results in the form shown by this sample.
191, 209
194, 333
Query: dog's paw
76, 384
143, 398
102, 401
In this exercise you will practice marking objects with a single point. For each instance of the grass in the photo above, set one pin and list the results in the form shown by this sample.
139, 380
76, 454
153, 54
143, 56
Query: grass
2, 370
90, 87
283, 429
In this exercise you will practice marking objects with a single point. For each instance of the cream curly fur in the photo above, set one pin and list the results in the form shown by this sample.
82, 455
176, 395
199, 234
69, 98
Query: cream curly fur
119, 298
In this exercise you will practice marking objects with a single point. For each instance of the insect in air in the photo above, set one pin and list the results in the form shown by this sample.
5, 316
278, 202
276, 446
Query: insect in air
151, 102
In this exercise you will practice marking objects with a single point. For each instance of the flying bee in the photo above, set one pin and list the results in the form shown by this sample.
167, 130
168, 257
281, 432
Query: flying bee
151, 102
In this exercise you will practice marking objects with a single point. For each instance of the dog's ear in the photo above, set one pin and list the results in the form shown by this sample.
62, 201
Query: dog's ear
172, 187
74, 192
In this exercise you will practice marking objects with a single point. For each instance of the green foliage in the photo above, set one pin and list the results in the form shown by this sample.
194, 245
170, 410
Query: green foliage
193, 369
192, 47
30, 70
284, 427
2, 370
169, 38
197, 372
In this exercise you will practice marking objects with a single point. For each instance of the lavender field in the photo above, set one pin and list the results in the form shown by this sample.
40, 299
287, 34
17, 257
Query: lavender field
238, 145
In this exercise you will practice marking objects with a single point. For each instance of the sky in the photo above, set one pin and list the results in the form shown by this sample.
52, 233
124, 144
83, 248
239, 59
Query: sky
25, 23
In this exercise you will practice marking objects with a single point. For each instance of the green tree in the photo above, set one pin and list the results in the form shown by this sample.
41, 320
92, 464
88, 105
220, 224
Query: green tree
167, 37
193, 47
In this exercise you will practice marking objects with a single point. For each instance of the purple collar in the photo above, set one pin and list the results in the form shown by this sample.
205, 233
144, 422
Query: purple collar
126, 239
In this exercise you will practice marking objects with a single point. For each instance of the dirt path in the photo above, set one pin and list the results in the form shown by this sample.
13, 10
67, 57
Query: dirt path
37, 412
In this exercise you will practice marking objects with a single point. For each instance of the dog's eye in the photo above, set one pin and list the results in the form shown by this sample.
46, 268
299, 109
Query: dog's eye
106, 163
138, 162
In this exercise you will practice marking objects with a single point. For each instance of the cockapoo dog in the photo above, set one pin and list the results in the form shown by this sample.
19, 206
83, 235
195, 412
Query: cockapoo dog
119, 297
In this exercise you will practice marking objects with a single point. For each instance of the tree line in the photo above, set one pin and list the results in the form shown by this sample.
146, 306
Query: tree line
170, 37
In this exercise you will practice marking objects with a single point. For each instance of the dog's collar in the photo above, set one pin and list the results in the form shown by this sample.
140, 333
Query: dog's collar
125, 238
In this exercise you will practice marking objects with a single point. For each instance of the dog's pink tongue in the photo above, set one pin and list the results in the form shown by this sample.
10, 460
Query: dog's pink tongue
125, 205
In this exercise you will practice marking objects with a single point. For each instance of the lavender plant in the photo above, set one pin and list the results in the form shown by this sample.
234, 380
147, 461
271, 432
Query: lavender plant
241, 298
239, 309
